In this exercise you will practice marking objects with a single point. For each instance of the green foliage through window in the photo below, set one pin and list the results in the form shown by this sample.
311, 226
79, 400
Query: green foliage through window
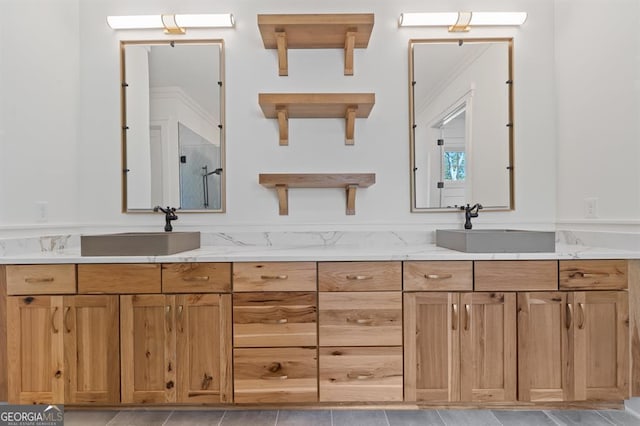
454, 165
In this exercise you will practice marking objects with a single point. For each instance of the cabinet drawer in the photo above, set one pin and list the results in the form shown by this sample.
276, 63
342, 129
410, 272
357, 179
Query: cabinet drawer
361, 374
120, 278
275, 375
360, 319
274, 319
196, 277
593, 274
438, 276
359, 276
41, 279
274, 276
516, 275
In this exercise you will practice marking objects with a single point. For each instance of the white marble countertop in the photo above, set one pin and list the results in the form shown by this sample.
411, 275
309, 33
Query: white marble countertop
318, 253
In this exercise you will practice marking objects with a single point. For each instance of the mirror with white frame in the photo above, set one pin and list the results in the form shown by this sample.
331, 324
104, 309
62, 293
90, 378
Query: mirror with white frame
461, 124
173, 136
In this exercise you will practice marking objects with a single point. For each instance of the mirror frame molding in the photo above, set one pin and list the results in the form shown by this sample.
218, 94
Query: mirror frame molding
123, 121
412, 125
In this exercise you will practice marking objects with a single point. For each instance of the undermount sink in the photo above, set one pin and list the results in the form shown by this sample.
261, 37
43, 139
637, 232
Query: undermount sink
139, 243
496, 240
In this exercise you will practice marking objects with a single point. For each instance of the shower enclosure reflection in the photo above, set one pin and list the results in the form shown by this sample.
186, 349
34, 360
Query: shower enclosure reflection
173, 132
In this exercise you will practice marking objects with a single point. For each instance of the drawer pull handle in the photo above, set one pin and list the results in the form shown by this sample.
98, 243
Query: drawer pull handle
359, 277
360, 376
275, 321
274, 277
272, 377
363, 321
581, 324
581, 274
168, 317
437, 276
66, 319
53, 320
39, 280
466, 316
180, 321
203, 278
454, 316
569, 315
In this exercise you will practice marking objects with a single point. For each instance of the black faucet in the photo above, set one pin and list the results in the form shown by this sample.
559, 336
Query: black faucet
470, 212
169, 215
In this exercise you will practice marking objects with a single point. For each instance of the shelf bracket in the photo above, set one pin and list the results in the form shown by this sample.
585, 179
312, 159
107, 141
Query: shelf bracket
351, 199
283, 199
350, 127
349, 44
283, 64
283, 124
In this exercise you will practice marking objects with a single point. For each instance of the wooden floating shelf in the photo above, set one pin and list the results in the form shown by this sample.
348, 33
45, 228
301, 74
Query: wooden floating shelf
314, 31
283, 181
349, 106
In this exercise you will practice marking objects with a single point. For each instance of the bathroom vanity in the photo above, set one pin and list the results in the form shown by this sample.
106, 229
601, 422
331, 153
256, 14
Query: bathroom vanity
440, 328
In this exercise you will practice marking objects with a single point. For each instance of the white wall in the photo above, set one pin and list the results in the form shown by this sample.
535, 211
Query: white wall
91, 107
39, 74
598, 104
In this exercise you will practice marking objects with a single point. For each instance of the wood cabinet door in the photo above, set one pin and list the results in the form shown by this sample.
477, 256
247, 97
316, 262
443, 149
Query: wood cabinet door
488, 347
147, 349
600, 345
35, 350
203, 344
91, 349
431, 347
543, 341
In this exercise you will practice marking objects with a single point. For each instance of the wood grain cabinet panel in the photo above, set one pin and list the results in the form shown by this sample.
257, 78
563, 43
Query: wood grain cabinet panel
488, 365
460, 347
359, 276
40, 279
147, 349
196, 277
515, 275
176, 348
600, 351
91, 348
432, 347
274, 276
450, 275
544, 362
275, 375
121, 278
360, 374
360, 318
275, 319
203, 344
35, 350
593, 274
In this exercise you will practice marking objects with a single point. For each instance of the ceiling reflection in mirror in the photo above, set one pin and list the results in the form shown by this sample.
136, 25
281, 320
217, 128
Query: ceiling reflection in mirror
173, 125
461, 124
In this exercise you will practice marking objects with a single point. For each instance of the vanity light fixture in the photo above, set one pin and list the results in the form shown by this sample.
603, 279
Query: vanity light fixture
462, 21
171, 23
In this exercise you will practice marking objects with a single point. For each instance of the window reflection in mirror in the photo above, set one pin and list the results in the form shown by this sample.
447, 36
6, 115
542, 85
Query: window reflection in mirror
173, 125
461, 124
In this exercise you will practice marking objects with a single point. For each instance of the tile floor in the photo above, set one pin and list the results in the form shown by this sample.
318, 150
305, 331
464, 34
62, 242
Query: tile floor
352, 418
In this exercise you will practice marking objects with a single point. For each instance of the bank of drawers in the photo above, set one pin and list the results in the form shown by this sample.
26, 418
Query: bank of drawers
360, 331
275, 313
